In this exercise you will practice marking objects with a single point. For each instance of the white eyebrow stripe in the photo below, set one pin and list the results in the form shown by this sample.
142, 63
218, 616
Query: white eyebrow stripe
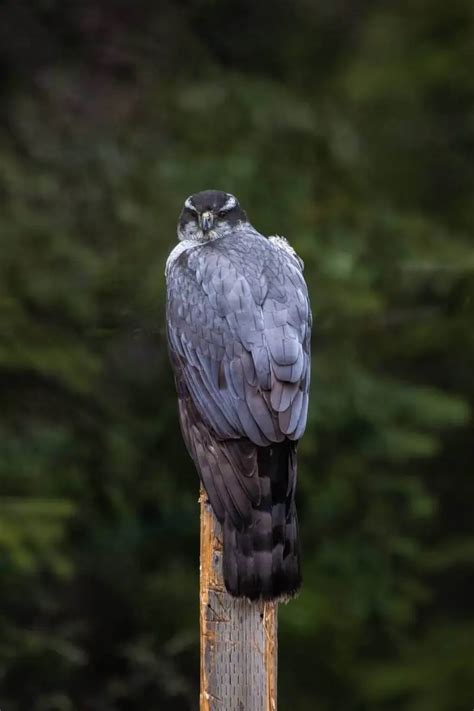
189, 204
229, 203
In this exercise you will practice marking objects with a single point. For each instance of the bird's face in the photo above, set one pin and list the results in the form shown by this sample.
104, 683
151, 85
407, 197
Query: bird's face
208, 215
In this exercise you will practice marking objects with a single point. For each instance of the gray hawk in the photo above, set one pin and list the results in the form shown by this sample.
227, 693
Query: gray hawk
239, 325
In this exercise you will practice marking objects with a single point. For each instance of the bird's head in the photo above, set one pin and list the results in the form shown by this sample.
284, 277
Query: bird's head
209, 214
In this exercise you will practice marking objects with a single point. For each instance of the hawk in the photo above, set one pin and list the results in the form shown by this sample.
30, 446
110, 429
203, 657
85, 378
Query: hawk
238, 325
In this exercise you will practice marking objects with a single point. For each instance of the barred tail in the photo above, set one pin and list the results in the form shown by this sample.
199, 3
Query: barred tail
263, 560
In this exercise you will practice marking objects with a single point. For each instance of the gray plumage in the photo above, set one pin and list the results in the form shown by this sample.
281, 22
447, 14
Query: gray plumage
239, 321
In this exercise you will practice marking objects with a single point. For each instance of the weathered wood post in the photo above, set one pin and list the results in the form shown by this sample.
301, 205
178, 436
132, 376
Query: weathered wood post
238, 638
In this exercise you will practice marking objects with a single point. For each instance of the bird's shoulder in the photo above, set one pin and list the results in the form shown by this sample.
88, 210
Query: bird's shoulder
268, 266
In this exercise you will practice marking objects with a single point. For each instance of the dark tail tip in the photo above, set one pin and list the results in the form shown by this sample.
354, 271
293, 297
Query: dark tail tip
262, 564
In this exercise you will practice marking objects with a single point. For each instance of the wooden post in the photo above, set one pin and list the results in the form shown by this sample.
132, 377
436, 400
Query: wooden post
238, 637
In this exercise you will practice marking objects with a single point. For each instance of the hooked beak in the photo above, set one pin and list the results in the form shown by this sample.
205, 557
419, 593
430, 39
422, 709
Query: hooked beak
206, 220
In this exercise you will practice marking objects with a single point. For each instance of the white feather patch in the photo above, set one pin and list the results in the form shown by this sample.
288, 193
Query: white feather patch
178, 251
189, 204
229, 204
282, 243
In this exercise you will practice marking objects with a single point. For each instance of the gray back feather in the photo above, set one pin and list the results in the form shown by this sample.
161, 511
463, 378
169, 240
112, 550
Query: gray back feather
239, 331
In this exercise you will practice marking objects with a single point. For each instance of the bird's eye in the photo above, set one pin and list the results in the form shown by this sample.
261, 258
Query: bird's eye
222, 213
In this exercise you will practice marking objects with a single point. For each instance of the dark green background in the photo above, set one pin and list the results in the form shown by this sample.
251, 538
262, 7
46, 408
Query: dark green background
347, 127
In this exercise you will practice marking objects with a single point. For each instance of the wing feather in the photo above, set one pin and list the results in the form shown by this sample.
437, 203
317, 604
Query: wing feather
239, 336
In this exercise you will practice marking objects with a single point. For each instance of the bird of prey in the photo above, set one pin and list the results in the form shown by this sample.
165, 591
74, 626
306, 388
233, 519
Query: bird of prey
238, 324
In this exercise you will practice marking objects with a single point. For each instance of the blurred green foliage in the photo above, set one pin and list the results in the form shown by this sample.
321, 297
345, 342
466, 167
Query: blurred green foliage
347, 127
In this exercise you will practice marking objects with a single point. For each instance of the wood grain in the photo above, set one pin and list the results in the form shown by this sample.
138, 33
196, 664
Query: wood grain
238, 638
